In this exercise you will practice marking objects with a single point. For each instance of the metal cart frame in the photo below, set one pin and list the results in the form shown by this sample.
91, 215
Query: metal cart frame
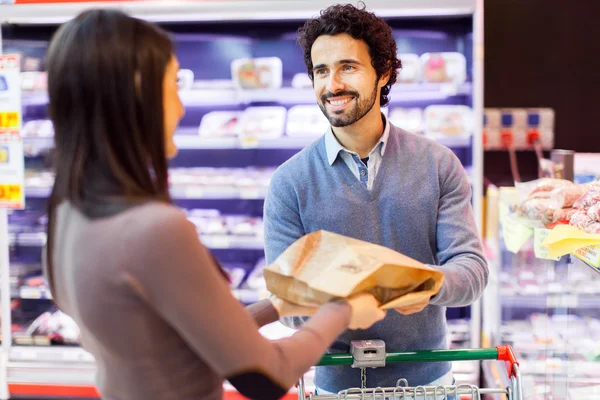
368, 354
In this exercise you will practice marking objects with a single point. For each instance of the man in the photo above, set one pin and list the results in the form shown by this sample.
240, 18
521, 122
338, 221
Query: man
370, 180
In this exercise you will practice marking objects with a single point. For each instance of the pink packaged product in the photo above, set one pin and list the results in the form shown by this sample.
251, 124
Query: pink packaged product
38, 128
257, 73
220, 124
444, 67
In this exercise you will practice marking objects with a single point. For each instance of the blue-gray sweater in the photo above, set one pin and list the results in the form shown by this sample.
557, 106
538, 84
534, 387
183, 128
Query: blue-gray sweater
419, 205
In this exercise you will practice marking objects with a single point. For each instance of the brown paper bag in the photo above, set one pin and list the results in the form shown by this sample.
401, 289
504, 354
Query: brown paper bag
323, 266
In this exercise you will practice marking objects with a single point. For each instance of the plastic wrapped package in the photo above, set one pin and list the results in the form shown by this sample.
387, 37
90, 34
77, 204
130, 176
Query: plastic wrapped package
257, 73
589, 198
534, 208
219, 124
411, 68
593, 228
263, 122
580, 219
409, 119
566, 196
57, 326
594, 212
444, 67
306, 120
445, 120
543, 185
563, 215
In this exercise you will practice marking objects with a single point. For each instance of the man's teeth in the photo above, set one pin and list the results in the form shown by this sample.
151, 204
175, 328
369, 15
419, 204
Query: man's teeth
339, 102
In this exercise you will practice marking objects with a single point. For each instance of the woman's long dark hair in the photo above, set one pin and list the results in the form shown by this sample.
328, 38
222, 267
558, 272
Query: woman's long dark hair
105, 84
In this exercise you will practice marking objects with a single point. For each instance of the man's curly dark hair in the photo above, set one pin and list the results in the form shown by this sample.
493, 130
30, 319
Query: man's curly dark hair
361, 25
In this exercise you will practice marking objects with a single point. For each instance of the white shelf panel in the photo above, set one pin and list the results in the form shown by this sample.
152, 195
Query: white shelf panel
401, 93
544, 301
210, 241
183, 193
241, 10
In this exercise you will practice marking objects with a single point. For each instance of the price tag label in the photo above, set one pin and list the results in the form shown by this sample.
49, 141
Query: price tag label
10, 192
11, 144
541, 252
9, 119
589, 254
515, 234
249, 142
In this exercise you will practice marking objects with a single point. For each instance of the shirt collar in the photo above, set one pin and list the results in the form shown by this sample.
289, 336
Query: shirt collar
334, 147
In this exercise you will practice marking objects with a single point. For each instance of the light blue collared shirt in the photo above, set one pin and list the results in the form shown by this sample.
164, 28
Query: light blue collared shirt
364, 173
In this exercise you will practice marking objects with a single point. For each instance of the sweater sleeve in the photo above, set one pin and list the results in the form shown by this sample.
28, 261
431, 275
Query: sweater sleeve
282, 222
283, 226
459, 249
179, 280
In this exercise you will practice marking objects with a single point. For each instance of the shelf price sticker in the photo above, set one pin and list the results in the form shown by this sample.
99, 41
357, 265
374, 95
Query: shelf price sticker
9, 120
11, 144
11, 196
589, 254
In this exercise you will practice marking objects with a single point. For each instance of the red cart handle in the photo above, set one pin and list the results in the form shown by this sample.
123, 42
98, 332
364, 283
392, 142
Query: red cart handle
506, 354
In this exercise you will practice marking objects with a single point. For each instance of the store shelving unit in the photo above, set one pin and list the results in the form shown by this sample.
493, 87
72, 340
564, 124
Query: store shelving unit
549, 311
422, 25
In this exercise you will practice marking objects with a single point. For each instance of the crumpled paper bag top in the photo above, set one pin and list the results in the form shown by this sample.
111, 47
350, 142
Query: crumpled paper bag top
324, 266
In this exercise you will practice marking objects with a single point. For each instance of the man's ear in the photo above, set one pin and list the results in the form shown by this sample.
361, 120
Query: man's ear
385, 78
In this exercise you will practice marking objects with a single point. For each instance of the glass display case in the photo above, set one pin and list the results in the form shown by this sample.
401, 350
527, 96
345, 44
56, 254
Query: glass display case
549, 311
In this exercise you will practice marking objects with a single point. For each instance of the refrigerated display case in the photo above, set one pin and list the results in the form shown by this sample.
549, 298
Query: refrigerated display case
549, 311
238, 128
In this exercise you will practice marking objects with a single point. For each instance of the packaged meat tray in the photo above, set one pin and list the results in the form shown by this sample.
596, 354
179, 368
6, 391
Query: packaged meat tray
411, 68
306, 121
409, 119
444, 67
444, 121
220, 124
262, 122
257, 73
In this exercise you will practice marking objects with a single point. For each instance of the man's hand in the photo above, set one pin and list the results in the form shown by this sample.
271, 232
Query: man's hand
413, 308
287, 309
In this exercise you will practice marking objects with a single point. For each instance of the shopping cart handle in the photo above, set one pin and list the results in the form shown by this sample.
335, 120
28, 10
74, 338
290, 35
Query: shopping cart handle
503, 353
506, 354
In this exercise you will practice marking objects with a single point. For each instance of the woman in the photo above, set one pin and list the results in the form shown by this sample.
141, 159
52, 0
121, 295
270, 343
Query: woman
153, 307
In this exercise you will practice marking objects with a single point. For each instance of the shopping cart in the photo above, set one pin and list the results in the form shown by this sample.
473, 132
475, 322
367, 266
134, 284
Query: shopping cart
371, 354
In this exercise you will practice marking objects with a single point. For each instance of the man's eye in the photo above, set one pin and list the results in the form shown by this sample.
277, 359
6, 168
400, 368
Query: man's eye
320, 71
348, 67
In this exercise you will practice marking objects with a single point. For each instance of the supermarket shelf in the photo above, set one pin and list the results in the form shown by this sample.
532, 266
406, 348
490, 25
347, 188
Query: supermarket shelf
37, 239
545, 301
50, 354
183, 193
277, 10
210, 241
232, 242
401, 93
34, 293
187, 139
